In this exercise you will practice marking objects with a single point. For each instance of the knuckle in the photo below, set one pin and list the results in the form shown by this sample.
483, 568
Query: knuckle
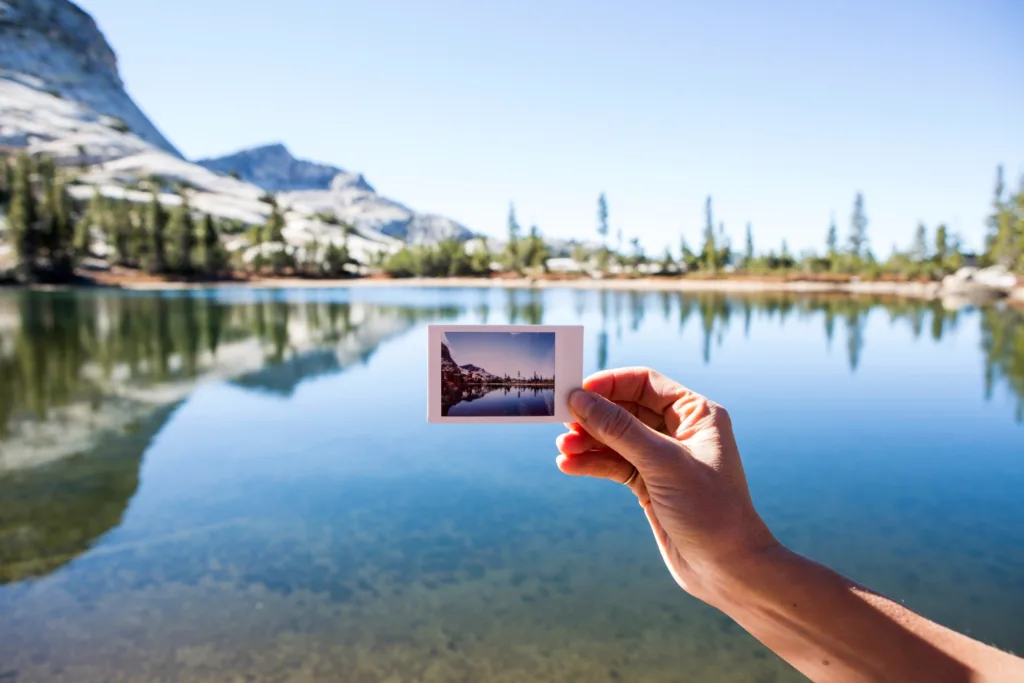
719, 415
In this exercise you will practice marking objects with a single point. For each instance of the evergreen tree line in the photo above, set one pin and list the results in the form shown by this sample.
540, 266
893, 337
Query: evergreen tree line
930, 253
311, 260
453, 258
51, 234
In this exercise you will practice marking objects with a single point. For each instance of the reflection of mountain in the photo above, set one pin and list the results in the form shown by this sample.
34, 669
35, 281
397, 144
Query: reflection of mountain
51, 514
77, 368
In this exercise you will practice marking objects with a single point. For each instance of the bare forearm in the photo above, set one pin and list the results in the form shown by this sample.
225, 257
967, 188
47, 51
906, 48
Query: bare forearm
833, 630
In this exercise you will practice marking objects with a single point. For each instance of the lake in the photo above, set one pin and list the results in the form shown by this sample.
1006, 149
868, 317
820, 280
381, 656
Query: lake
240, 485
506, 401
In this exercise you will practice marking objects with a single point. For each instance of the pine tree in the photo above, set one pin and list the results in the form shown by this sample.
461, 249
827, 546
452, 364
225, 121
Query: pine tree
941, 245
480, 261
310, 265
992, 236
209, 242
709, 252
1017, 208
56, 227
667, 262
156, 225
832, 240
687, 258
47, 226
1007, 245
723, 256
637, 256
858, 227
183, 231
120, 233
275, 225
513, 251
6, 180
748, 255
919, 252
23, 217
602, 219
537, 253
63, 227
335, 259
95, 216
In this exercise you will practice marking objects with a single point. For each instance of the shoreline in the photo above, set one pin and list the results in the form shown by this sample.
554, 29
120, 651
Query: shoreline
928, 291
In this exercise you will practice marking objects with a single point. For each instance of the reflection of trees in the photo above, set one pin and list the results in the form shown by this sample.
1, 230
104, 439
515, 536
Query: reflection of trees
103, 374
636, 310
1002, 339
524, 307
1002, 345
50, 515
59, 350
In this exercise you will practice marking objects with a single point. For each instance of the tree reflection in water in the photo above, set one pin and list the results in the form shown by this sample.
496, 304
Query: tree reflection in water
97, 361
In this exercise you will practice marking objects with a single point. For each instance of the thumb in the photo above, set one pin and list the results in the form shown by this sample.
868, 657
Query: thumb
616, 427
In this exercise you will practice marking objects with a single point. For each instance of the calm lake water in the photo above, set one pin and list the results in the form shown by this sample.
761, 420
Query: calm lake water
240, 485
507, 401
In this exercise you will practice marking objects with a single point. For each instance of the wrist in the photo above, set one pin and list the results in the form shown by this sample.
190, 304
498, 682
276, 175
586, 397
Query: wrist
739, 581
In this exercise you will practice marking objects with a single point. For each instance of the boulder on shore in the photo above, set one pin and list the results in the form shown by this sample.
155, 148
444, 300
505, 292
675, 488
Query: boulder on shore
994, 281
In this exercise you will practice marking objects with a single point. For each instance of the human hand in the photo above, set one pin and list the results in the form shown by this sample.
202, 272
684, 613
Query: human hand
689, 481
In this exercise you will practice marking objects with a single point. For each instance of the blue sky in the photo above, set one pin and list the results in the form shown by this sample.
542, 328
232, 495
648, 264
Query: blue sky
460, 106
504, 353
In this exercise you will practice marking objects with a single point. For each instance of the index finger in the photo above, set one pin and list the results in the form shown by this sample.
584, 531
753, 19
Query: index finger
643, 386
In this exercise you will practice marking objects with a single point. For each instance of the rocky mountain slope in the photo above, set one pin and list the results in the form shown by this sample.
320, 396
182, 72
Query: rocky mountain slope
61, 94
273, 168
315, 188
55, 47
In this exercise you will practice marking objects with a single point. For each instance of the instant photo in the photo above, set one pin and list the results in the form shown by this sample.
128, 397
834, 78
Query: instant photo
503, 373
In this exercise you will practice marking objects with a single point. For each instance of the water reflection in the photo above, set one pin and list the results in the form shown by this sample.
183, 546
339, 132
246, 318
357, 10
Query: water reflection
466, 562
716, 312
74, 367
1003, 342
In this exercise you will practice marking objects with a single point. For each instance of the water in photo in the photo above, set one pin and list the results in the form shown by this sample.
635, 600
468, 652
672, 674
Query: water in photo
497, 374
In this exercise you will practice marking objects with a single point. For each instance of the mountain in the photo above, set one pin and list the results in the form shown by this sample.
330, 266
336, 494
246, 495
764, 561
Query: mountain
54, 47
475, 374
61, 95
273, 168
316, 188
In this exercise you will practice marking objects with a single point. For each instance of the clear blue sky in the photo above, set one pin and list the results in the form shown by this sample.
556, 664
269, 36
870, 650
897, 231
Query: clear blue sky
460, 106
504, 353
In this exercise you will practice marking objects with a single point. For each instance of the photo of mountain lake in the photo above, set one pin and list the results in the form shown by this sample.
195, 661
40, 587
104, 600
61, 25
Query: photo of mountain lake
498, 374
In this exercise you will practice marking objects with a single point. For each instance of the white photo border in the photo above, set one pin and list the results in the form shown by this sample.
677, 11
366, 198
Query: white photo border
568, 371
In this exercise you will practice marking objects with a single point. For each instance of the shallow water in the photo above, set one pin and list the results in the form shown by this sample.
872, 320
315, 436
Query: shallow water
241, 485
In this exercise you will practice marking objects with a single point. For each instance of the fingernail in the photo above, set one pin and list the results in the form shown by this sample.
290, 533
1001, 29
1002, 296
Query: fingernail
580, 401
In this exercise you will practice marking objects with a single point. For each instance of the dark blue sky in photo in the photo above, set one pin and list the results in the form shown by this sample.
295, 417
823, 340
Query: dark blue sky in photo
505, 353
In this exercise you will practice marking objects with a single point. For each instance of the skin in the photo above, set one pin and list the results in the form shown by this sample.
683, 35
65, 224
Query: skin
691, 485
